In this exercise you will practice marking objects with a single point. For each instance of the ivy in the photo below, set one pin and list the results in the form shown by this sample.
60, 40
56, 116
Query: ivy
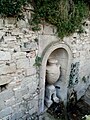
66, 15
12, 8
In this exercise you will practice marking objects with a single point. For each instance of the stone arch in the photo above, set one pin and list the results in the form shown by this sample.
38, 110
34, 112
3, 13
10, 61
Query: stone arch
45, 55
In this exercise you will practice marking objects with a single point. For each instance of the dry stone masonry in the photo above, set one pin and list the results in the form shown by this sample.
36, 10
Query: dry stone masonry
22, 84
18, 77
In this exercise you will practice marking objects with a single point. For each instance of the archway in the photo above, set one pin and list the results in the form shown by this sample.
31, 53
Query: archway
63, 54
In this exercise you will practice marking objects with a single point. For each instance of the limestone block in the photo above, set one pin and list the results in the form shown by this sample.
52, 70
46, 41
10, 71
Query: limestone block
1, 34
19, 55
28, 46
19, 114
30, 71
32, 61
5, 55
22, 63
27, 80
24, 39
5, 112
5, 79
21, 24
28, 35
34, 105
34, 88
20, 92
10, 101
9, 38
7, 117
2, 105
15, 32
5, 69
5, 95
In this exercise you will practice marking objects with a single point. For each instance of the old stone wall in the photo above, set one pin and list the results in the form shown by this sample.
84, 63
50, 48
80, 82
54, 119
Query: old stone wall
79, 65
18, 76
22, 90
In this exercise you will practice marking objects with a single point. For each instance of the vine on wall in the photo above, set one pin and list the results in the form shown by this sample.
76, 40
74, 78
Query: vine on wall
66, 15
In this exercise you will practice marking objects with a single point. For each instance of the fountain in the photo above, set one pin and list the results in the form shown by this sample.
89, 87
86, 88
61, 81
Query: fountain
52, 75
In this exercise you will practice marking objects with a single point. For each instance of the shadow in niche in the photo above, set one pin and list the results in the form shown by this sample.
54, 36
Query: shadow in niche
61, 56
3, 87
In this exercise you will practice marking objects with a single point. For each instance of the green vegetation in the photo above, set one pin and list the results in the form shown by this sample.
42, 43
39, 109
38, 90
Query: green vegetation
12, 8
38, 61
66, 15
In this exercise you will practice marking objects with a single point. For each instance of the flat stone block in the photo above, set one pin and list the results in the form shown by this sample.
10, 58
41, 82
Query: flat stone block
2, 105
23, 63
5, 69
10, 101
5, 79
5, 95
5, 112
30, 71
19, 55
28, 46
5, 55
9, 38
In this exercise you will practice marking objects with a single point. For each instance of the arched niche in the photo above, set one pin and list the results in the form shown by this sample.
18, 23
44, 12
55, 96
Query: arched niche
63, 54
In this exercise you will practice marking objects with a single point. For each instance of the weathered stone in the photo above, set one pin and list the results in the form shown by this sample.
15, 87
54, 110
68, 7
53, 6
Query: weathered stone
5, 55
7, 118
10, 102
5, 69
2, 105
30, 71
5, 79
23, 63
19, 55
1, 34
5, 95
6, 112
28, 46
9, 38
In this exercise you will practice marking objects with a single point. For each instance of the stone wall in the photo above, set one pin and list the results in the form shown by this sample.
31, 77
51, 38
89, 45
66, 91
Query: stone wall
79, 65
18, 75
21, 90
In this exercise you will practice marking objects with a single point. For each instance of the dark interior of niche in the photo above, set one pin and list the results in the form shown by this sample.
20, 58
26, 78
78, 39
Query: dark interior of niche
3, 87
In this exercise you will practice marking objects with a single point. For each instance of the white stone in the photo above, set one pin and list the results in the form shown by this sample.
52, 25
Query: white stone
23, 63
5, 79
9, 38
30, 71
19, 55
10, 101
6, 112
5, 55
5, 69
1, 34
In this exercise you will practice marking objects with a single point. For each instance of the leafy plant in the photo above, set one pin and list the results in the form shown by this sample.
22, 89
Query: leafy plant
66, 15
10, 8
38, 61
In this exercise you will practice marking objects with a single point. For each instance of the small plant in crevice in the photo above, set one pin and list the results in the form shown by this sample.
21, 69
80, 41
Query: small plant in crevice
38, 61
84, 79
